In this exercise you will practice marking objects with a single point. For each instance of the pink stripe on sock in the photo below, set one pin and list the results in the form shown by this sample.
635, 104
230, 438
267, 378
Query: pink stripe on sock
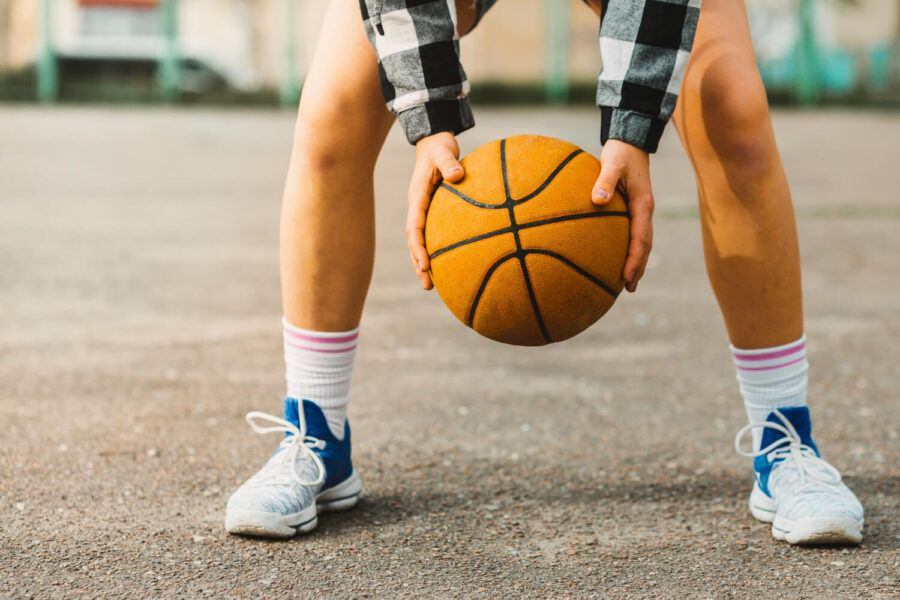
787, 364
321, 340
338, 351
769, 355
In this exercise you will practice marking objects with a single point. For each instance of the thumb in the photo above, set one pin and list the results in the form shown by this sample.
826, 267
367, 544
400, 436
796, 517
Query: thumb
450, 168
605, 186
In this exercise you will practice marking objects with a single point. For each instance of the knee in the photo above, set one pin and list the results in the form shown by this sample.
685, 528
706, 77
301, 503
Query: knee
329, 139
736, 120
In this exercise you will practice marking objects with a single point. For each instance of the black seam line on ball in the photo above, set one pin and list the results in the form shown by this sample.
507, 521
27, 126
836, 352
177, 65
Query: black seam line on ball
599, 283
487, 276
520, 254
484, 281
528, 225
471, 201
510, 200
547, 181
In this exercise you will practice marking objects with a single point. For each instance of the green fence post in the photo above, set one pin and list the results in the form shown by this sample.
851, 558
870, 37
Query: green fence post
169, 70
557, 83
290, 86
47, 67
807, 57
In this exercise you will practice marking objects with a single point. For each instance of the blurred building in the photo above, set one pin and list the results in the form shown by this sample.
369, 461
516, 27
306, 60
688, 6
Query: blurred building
256, 44
856, 42
232, 37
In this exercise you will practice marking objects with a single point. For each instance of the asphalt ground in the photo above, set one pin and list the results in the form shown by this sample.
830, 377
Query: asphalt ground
139, 322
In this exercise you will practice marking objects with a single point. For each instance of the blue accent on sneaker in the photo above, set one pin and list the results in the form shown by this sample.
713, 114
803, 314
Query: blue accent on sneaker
336, 454
799, 418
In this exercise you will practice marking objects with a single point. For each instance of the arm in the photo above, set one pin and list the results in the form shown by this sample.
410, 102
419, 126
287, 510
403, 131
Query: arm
425, 86
418, 62
645, 45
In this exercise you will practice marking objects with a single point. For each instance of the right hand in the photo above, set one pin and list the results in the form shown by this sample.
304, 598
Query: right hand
628, 167
437, 159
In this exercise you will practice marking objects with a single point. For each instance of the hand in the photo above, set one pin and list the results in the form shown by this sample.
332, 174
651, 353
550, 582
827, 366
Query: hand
437, 158
628, 168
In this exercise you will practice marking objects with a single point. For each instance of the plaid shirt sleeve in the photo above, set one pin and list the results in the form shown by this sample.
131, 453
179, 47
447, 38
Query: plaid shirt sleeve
422, 80
645, 46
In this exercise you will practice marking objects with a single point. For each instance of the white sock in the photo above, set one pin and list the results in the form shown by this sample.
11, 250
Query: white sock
771, 378
319, 367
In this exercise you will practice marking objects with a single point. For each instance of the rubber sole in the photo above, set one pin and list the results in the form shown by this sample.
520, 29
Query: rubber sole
807, 532
343, 496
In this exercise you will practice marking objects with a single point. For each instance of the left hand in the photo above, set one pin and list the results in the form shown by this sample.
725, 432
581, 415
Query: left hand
628, 168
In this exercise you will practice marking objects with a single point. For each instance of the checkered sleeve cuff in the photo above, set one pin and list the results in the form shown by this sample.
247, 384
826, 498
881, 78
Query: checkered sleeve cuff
632, 127
422, 80
645, 46
435, 116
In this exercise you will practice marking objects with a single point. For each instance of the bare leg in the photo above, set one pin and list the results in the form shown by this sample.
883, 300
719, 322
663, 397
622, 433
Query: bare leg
749, 232
753, 261
328, 214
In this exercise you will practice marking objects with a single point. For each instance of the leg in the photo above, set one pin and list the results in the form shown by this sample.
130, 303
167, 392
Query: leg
753, 261
327, 248
747, 221
328, 213
327, 251
749, 233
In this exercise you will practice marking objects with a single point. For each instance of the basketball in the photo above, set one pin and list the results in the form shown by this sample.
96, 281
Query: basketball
519, 253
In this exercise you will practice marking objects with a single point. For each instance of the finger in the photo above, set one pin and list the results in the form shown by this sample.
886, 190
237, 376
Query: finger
450, 168
641, 208
643, 266
420, 189
605, 186
424, 276
415, 238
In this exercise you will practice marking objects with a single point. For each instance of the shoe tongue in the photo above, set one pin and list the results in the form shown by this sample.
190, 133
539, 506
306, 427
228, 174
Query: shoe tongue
291, 413
799, 418
316, 425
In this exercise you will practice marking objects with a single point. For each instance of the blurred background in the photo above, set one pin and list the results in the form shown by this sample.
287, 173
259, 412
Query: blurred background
257, 51
141, 320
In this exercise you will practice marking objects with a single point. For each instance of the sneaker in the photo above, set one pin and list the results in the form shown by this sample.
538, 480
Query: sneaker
795, 490
309, 472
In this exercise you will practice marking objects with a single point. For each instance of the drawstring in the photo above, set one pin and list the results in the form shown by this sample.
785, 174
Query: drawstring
376, 17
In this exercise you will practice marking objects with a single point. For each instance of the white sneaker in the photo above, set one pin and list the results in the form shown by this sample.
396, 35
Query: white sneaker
796, 490
310, 472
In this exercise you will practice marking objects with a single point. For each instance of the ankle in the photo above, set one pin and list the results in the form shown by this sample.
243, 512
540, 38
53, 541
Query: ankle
319, 367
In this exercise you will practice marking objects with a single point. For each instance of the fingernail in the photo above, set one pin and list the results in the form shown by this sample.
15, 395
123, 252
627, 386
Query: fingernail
632, 275
419, 262
600, 195
456, 170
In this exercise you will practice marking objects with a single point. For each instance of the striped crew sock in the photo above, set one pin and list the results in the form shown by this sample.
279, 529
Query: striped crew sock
771, 378
319, 367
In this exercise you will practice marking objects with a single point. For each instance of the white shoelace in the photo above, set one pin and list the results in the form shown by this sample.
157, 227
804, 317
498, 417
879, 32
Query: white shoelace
793, 452
293, 445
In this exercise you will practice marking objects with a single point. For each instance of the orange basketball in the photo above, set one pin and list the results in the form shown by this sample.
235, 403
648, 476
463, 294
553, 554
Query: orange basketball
519, 253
